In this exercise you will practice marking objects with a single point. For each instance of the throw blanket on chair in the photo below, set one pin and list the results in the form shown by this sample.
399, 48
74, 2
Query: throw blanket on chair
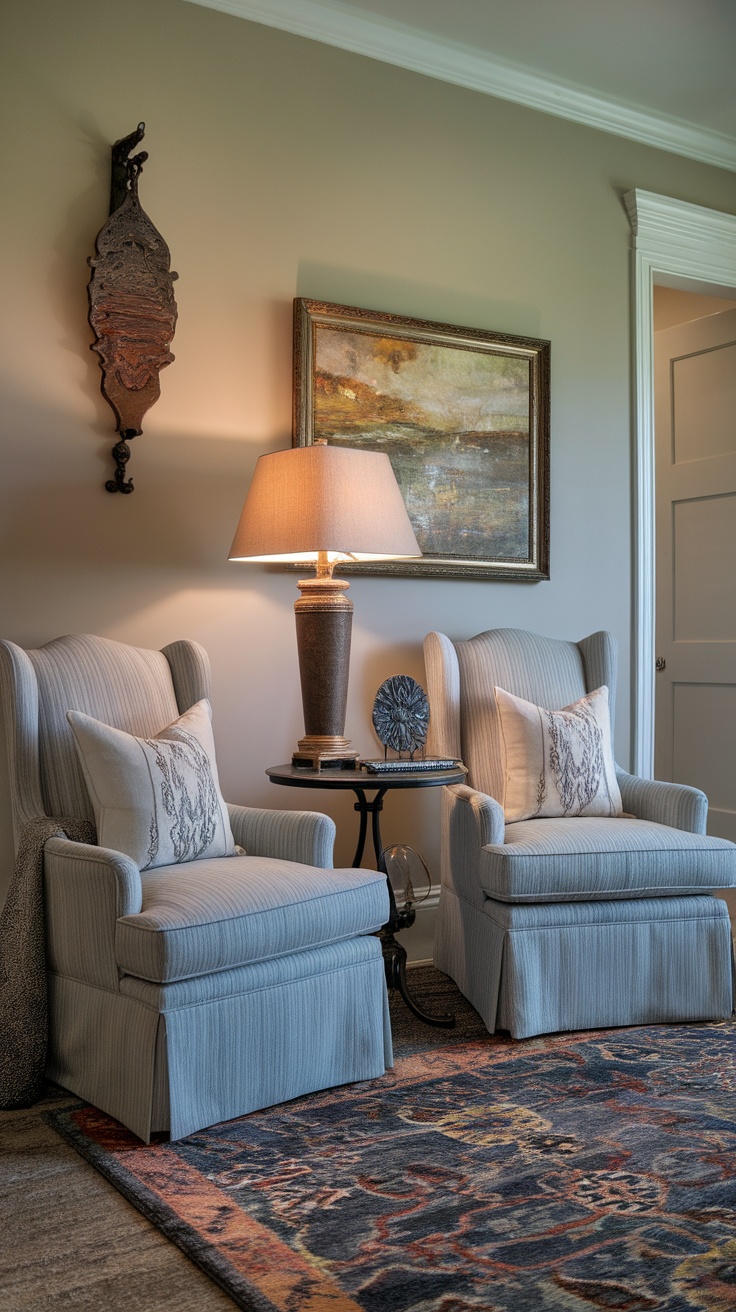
23, 1008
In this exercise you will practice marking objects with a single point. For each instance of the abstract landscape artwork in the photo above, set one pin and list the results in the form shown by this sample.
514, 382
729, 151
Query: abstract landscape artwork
463, 416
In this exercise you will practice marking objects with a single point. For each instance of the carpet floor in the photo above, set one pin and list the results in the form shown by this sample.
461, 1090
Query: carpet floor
569, 1173
70, 1242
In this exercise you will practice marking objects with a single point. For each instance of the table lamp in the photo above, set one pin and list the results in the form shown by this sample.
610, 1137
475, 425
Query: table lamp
324, 504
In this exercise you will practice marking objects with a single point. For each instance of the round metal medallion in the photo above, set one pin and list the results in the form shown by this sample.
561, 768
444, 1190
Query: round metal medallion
401, 713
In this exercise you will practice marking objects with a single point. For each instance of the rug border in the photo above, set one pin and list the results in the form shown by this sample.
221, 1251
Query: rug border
206, 1256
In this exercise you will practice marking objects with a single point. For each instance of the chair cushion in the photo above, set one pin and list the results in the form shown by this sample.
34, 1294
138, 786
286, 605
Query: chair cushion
583, 859
558, 763
156, 799
219, 914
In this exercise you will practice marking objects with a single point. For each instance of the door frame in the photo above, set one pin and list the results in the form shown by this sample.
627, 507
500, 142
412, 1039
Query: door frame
674, 244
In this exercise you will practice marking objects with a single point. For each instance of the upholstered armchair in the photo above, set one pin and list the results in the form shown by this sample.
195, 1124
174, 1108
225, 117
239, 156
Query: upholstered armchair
193, 991
569, 922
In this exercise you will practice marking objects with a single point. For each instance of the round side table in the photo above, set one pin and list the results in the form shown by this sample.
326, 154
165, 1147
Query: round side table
362, 782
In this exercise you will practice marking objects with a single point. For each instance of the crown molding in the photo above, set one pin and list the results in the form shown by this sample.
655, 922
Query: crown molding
686, 240
408, 47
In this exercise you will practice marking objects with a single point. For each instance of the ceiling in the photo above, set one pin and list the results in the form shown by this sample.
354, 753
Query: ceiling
659, 71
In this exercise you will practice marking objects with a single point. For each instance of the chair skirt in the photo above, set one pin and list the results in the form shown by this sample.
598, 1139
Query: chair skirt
183, 1056
540, 968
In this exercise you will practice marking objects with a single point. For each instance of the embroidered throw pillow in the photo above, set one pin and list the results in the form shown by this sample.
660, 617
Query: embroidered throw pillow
156, 799
558, 763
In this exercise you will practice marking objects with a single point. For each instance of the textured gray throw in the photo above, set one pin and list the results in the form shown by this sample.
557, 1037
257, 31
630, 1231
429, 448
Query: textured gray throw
23, 1006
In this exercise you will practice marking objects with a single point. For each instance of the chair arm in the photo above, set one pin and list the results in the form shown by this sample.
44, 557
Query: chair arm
488, 813
676, 805
470, 820
304, 836
86, 889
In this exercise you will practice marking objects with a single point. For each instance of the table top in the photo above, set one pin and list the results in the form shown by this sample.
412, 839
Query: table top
335, 777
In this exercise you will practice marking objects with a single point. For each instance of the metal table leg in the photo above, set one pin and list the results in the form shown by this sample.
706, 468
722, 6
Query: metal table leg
394, 953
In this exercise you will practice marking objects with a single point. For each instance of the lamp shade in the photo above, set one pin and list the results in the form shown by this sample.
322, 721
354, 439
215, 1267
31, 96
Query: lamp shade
312, 499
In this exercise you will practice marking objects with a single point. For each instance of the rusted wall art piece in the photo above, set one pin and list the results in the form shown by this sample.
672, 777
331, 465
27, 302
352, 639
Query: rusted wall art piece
131, 304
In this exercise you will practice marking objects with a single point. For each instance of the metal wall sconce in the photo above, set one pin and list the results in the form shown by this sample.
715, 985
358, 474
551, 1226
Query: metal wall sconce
132, 308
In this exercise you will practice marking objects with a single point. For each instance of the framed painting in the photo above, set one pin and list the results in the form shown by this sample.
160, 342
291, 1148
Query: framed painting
463, 416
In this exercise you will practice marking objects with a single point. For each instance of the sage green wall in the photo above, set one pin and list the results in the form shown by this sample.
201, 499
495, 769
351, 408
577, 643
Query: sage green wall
281, 167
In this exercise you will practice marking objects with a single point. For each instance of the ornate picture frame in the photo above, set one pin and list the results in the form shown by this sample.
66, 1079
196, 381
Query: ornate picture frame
463, 415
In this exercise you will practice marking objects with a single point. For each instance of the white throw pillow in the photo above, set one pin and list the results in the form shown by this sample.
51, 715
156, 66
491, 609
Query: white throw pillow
156, 799
558, 763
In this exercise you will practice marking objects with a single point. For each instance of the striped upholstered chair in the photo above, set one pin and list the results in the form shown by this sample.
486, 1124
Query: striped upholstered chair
569, 922
189, 993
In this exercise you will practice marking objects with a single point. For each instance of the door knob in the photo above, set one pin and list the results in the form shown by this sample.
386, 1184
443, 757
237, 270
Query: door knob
660, 664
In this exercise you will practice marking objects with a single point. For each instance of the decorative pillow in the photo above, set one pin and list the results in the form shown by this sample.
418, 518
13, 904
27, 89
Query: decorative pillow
558, 763
156, 799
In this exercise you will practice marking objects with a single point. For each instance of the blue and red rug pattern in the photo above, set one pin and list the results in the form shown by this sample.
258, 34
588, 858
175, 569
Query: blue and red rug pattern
569, 1174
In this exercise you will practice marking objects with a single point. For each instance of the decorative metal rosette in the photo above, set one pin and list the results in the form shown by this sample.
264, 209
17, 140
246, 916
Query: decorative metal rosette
401, 714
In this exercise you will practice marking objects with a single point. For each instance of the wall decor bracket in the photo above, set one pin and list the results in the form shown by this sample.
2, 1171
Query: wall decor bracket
132, 309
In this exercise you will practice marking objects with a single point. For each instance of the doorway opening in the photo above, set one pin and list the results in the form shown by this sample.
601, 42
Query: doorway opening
695, 546
686, 248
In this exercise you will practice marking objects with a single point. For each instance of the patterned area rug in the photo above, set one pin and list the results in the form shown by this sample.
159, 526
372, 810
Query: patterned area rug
570, 1173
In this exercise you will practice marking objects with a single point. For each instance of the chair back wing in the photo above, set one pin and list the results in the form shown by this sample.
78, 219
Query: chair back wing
547, 671
19, 693
128, 687
443, 690
190, 672
600, 662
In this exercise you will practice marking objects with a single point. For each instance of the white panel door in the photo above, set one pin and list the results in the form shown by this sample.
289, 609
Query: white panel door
695, 427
